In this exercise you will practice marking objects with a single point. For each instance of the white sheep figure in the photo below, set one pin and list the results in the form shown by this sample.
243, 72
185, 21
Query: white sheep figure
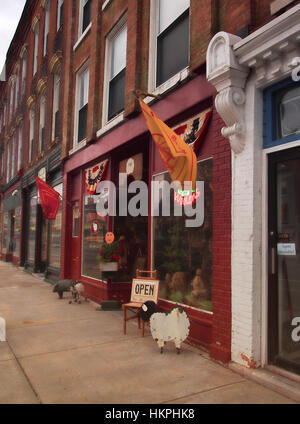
78, 290
174, 325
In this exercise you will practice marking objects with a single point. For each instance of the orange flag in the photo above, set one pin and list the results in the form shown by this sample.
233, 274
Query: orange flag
49, 199
179, 159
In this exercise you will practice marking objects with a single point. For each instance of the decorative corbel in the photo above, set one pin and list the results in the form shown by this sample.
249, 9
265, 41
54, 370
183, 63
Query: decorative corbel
229, 78
55, 62
41, 85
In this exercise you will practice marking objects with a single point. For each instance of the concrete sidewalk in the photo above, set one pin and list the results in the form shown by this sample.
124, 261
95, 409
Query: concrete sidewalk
58, 352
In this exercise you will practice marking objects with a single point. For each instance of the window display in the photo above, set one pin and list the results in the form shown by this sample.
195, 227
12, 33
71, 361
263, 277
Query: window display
183, 255
17, 232
31, 228
55, 234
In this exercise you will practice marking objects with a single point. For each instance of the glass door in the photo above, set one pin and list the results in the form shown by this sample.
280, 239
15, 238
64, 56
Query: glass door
284, 259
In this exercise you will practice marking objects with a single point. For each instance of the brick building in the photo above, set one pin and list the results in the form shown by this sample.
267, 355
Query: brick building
79, 95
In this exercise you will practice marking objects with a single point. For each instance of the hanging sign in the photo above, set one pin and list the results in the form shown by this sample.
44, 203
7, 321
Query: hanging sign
286, 249
94, 227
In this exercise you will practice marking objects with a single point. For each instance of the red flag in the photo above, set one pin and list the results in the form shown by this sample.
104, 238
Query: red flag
49, 199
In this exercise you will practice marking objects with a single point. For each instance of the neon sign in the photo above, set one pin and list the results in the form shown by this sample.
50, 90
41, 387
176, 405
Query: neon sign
186, 197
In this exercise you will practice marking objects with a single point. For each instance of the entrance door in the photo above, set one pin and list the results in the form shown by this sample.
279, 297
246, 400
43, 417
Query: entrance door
75, 242
284, 260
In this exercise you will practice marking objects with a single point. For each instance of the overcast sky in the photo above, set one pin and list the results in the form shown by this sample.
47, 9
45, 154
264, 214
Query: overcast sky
10, 13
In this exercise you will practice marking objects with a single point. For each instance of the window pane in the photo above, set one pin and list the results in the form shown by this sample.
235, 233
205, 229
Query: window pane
170, 60
87, 9
17, 232
84, 88
116, 95
55, 234
289, 110
118, 56
82, 123
169, 12
182, 255
93, 233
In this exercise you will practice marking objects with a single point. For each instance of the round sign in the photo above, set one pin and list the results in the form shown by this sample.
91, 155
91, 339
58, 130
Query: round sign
130, 166
109, 237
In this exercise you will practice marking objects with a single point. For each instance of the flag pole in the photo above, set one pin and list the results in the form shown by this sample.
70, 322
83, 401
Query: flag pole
140, 93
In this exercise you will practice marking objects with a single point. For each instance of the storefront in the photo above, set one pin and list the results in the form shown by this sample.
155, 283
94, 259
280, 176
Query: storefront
193, 263
258, 84
42, 237
11, 224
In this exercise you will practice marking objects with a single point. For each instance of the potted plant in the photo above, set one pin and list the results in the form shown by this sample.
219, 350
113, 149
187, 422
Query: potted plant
108, 257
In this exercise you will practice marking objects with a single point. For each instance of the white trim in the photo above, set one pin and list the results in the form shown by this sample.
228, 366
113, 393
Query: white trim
77, 147
111, 124
82, 36
105, 4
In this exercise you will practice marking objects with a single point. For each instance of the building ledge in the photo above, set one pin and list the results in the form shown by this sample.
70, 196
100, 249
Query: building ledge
82, 37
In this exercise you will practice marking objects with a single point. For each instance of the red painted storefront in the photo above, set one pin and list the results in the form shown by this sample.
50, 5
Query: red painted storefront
212, 330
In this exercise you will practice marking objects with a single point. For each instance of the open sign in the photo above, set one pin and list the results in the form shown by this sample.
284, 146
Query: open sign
143, 290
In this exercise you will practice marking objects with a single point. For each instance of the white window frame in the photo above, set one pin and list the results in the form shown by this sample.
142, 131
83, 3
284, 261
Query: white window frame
59, 4
13, 156
24, 73
11, 100
17, 89
175, 79
31, 133
56, 97
36, 46
107, 71
20, 145
80, 72
8, 161
42, 119
80, 19
47, 26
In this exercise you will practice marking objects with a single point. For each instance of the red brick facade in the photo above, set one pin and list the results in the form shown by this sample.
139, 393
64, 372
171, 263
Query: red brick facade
191, 95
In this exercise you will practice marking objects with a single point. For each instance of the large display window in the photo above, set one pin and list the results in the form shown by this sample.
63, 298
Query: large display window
55, 234
31, 228
183, 255
17, 232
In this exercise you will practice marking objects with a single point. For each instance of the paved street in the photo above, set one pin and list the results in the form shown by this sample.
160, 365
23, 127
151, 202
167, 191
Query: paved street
58, 352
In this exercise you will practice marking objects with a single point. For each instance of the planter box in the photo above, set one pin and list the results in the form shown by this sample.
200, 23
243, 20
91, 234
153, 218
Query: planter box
109, 266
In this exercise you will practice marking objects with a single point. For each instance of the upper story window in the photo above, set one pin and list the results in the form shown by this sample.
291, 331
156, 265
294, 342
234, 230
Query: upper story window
13, 155
85, 15
173, 30
60, 13
31, 133
24, 72
115, 71
20, 145
81, 103
169, 42
11, 102
17, 89
46, 27
36, 47
8, 162
281, 113
42, 123
55, 109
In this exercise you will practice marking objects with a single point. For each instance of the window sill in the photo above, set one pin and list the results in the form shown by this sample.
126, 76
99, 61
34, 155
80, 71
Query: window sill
82, 37
111, 124
77, 147
170, 83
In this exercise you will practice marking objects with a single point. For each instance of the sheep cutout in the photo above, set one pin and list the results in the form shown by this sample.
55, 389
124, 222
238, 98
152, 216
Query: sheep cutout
174, 325
78, 291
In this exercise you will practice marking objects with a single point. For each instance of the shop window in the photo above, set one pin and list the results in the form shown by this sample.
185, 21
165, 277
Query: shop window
5, 232
55, 233
46, 27
31, 228
17, 231
85, 15
183, 255
94, 228
114, 86
288, 112
81, 105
